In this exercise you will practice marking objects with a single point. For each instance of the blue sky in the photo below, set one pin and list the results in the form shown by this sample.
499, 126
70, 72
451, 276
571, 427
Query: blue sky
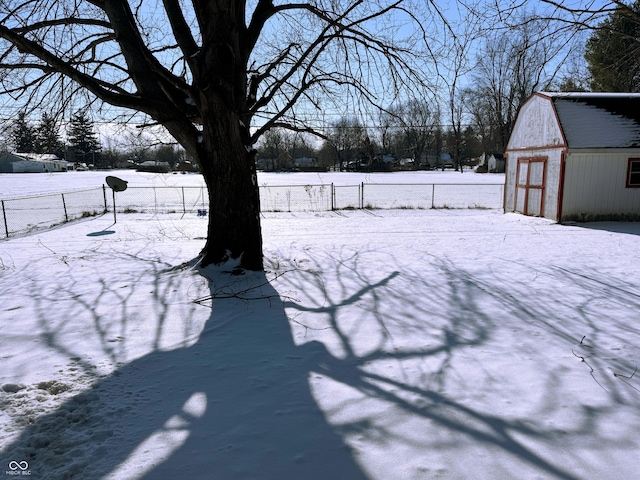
434, 27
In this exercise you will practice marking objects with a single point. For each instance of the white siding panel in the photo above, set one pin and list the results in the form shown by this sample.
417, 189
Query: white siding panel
552, 187
510, 183
536, 125
595, 185
552, 181
534, 203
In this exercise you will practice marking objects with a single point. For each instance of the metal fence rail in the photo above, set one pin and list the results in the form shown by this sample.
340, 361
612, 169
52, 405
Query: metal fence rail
26, 214
161, 199
296, 198
435, 195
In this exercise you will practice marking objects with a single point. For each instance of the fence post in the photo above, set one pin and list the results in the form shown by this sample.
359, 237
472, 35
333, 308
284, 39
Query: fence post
333, 197
64, 206
433, 195
104, 195
184, 207
361, 195
4, 215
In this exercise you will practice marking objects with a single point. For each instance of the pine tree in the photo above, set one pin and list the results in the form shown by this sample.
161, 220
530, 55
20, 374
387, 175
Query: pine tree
23, 135
82, 139
613, 52
47, 138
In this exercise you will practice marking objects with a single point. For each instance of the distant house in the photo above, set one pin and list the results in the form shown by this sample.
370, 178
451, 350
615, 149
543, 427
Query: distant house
307, 164
267, 164
31, 163
491, 162
575, 156
437, 161
495, 162
153, 166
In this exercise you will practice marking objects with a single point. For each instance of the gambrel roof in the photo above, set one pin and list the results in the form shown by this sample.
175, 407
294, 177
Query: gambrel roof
598, 120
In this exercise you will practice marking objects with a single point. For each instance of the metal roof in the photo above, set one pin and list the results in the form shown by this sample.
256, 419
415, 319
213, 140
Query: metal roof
598, 120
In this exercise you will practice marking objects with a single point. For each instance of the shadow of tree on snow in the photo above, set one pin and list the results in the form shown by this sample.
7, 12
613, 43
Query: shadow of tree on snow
363, 310
250, 395
234, 404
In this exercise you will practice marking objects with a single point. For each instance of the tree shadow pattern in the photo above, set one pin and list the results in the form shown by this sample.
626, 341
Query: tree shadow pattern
252, 394
363, 315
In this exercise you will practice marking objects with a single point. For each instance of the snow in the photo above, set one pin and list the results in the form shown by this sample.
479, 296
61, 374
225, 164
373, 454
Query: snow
381, 344
16, 185
598, 120
587, 126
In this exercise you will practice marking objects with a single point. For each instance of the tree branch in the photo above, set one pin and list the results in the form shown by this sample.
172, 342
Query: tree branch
62, 22
54, 63
181, 29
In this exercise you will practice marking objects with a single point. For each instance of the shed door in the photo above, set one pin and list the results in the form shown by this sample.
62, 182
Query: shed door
530, 183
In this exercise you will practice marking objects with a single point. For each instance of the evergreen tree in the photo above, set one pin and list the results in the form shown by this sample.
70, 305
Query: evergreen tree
47, 138
570, 84
613, 52
82, 139
23, 135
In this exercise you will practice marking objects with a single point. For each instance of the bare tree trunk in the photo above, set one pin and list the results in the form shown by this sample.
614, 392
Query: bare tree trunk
228, 167
225, 153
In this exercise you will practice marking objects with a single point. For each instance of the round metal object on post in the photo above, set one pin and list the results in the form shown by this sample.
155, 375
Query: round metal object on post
116, 184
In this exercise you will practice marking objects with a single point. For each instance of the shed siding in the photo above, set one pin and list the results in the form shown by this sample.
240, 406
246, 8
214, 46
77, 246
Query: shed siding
552, 178
595, 185
536, 125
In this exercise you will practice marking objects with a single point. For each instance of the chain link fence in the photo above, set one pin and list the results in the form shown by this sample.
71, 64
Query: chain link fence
26, 214
436, 195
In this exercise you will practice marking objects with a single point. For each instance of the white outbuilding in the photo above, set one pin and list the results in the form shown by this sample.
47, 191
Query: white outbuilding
575, 156
31, 163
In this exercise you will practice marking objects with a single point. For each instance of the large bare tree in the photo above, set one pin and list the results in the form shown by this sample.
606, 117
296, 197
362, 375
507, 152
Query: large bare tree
511, 65
217, 74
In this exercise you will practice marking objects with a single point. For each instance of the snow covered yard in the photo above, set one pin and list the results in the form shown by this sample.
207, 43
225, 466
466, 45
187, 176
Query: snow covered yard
410, 344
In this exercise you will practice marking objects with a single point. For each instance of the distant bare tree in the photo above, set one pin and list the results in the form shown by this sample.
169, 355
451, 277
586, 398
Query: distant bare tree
510, 67
459, 67
346, 138
273, 146
413, 124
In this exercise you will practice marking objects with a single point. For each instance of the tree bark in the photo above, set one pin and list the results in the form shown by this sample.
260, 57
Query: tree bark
227, 163
224, 151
